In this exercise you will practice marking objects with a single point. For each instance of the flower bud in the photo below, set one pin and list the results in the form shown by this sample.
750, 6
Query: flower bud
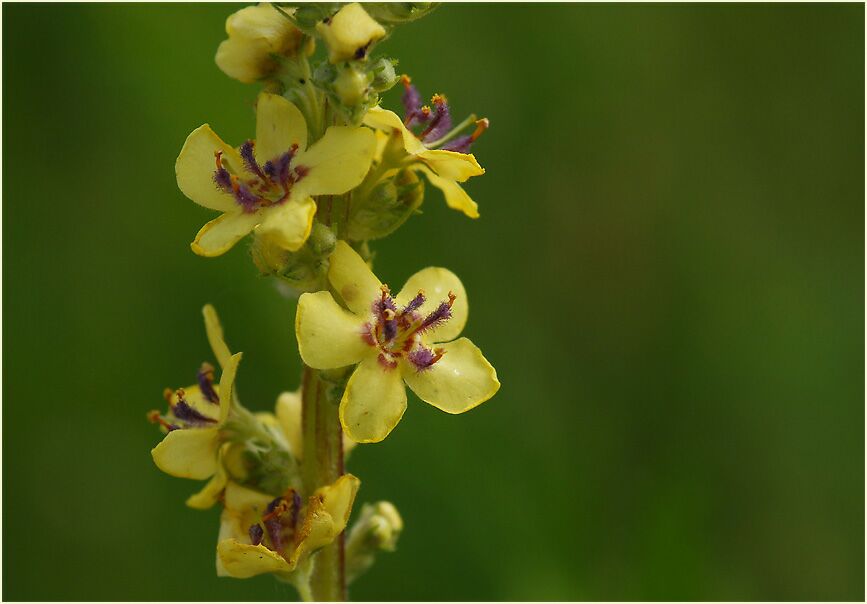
349, 33
389, 204
384, 76
256, 35
395, 13
377, 528
351, 84
304, 270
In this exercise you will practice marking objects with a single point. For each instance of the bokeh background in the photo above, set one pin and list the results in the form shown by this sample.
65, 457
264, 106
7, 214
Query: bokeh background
667, 274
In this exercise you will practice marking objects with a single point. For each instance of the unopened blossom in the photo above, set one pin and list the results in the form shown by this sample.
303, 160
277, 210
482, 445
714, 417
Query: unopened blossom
349, 33
192, 445
409, 338
263, 534
268, 184
431, 144
257, 34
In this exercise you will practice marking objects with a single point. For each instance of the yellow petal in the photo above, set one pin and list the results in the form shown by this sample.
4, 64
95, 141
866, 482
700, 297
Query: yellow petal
436, 283
328, 335
188, 453
456, 197
210, 493
288, 225
350, 30
244, 60
279, 125
241, 560
451, 164
194, 398
353, 280
326, 515
337, 162
218, 236
388, 121
246, 501
215, 335
195, 168
373, 402
288, 411
459, 381
227, 386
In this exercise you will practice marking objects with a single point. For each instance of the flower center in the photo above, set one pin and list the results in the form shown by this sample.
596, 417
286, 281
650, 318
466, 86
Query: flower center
259, 186
276, 529
397, 332
183, 413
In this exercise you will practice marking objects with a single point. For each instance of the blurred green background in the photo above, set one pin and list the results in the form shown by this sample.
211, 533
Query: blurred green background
667, 274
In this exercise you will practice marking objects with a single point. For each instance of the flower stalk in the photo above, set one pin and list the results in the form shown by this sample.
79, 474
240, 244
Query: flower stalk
328, 172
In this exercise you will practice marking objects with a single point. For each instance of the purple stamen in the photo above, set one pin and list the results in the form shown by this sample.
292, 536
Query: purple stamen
250, 160
439, 316
256, 534
184, 412
206, 385
223, 179
441, 122
246, 198
275, 528
411, 98
415, 303
424, 358
461, 144
281, 169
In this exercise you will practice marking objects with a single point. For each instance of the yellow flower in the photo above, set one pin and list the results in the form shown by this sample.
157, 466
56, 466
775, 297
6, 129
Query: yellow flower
393, 340
349, 33
268, 185
444, 167
256, 34
192, 446
260, 534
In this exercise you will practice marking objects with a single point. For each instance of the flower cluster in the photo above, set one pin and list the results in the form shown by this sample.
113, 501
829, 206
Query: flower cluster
328, 171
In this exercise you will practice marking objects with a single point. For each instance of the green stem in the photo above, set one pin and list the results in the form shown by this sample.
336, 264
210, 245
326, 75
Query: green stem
322, 465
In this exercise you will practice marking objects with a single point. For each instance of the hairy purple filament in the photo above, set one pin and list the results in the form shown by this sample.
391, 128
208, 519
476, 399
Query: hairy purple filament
262, 185
206, 383
397, 333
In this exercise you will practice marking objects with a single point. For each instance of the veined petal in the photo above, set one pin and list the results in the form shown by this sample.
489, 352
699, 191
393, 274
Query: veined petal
218, 236
215, 335
195, 168
459, 381
436, 283
349, 31
328, 335
451, 164
353, 280
189, 453
383, 119
373, 402
337, 162
279, 125
288, 225
210, 493
227, 386
326, 516
456, 197
242, 560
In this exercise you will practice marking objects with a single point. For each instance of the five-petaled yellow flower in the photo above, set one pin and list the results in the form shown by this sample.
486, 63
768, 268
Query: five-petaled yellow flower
260, 534
269, 184
256, 35
444, 164
406, 338
192, 446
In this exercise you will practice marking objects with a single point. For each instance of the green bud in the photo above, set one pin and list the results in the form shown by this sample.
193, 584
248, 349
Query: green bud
384, 75
377, 529
391, 14
304, 270
388, 205
351, 84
